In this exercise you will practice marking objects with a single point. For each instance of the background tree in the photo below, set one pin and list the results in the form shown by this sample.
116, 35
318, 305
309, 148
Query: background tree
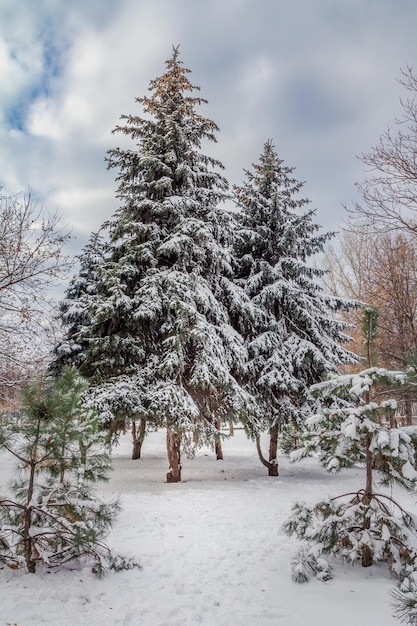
375, 261
389, 193
300, 339
381, 270
31, 262
387, 281
164, 341
73, 310
370, 332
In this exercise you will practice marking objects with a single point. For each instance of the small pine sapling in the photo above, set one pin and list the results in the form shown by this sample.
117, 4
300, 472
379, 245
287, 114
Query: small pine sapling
353, 425
405, 596
51, 515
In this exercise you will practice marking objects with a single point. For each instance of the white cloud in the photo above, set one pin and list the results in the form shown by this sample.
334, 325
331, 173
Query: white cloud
19, 71
318, 78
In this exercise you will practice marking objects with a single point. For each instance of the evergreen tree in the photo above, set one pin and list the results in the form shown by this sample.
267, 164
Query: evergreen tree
370, 332
73, 310
301, 338
165, 340
367, 526
51, 515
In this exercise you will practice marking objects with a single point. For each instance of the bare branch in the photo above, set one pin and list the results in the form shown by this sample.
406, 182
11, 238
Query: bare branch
31, 263
389, 193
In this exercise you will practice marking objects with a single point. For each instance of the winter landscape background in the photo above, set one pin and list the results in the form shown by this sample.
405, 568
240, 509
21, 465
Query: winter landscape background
210, 296
211, 547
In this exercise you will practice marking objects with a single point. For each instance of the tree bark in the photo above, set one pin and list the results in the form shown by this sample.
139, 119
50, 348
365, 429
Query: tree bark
273, 451
218, 441
138, 441
231, 428
369, 467
272, 464
174, 456
27, 540
408, 412
367, 556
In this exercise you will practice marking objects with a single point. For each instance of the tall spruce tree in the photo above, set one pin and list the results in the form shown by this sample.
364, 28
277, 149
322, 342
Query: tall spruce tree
302, 338
164, 340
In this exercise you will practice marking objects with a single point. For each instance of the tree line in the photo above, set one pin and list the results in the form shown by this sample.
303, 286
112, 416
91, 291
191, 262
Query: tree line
186, 315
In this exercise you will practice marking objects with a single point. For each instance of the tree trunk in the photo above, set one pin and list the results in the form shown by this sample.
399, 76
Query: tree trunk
27, 540
231, 428
408, 412
83, 452
218, 441
273, 451
370, 460
367, 557
369, 466
271, 465
174, 456
138, 441
63, 465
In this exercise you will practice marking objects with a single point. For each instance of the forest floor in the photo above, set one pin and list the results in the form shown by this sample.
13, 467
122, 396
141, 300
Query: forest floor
212, 550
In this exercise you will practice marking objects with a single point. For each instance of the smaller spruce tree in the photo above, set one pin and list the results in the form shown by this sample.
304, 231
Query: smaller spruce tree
300, 337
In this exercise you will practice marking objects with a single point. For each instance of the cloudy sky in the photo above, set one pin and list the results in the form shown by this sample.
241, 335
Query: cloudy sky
319, 77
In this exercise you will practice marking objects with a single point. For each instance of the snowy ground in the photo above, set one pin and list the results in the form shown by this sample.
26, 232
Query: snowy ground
212, 550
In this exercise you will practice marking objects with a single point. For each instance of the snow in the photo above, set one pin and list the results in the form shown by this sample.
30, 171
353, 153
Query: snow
408, 471
211, 547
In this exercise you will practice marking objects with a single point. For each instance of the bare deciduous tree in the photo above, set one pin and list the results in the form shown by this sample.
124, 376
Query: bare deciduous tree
31, 262
380, 269
389, 193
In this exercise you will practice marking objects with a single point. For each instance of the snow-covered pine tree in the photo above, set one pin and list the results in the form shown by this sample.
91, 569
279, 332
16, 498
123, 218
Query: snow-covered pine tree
73, 310
164, 338
51, 515
302, 337
352, 424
